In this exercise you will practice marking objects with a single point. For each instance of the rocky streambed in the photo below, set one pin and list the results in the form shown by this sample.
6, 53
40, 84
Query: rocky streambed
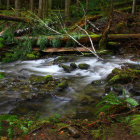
63, 85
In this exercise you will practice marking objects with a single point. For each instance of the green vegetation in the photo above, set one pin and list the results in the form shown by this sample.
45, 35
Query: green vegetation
48, 78
123, 76
1, 76
1, 42
62, 85
42, 42
11, 126
135, 125
111, 101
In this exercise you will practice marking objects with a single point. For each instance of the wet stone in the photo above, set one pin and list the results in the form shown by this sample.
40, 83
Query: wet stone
73, 66
66, 68
83, 66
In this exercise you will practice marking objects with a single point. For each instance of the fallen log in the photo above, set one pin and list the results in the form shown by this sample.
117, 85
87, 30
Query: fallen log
69, 49
12, 18
123, 36
95, 38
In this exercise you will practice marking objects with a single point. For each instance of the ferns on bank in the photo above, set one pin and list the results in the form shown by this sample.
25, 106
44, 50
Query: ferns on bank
135, 125
111, 100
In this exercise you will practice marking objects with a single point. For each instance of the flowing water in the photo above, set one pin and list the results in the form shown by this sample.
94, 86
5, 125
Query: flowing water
79, 98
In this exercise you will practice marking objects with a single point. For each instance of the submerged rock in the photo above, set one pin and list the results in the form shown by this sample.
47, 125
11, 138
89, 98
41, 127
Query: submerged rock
83, 66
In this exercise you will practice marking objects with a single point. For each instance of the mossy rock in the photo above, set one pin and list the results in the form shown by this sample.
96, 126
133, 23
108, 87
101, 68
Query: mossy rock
33, 55
83, 66
118, 88
48, 78
123, 76
62, 85
73, 66
30, 56
37, 79
66, 68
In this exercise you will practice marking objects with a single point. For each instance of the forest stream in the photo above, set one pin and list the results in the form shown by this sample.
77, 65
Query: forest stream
20, 94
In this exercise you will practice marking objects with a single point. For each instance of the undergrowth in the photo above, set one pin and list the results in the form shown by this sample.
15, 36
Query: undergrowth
112, 100
11, 126
135, 125
42, 42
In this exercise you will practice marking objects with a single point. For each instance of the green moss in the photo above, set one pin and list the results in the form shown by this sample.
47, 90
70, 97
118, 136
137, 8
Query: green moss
135, 125
1, 76
66, 68
37, 79
95, 35
123, 76
48, 78
62, 85
103, 44
112, 43
83, 66
31, 56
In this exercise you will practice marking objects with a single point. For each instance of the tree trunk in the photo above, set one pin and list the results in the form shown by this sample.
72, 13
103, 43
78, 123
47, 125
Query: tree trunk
32, 5
45, 8
40, 9
17, 7
87, 6
50, 4
67, 8
77, 3
134, 7
8, 4
104, 38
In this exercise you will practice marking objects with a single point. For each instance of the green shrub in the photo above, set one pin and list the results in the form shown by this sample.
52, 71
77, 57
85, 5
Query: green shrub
42, 42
